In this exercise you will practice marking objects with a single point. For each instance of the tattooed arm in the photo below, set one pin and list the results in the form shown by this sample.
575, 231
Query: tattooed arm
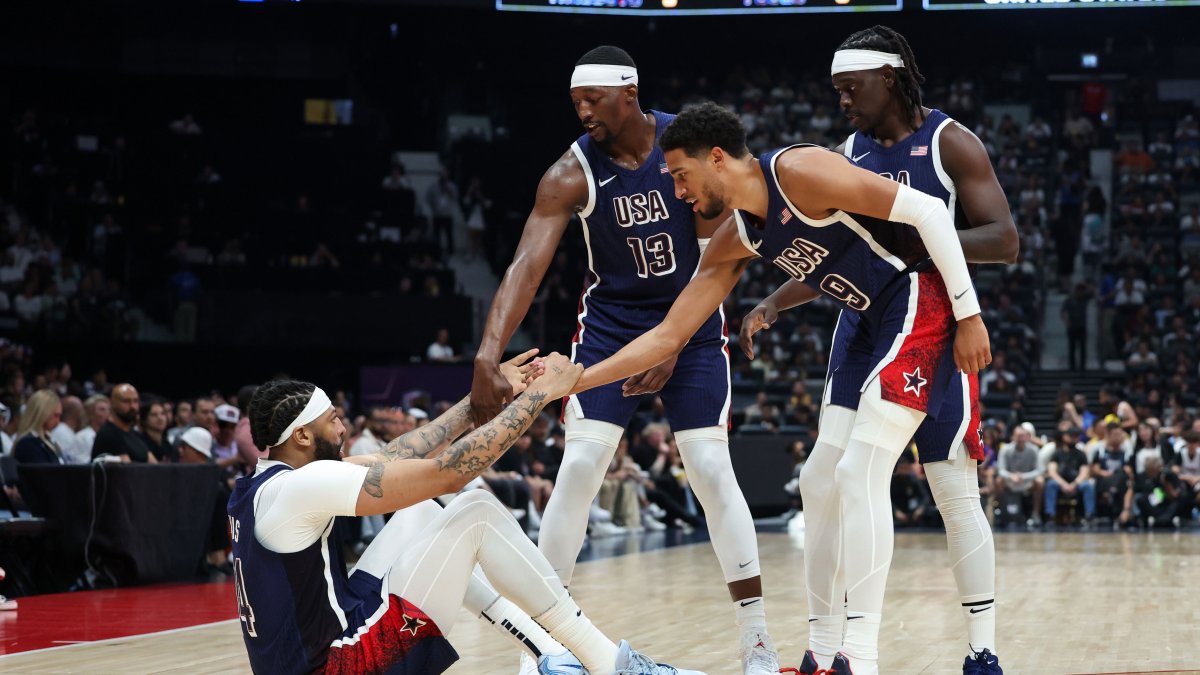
424, 442
430, 440
391, 486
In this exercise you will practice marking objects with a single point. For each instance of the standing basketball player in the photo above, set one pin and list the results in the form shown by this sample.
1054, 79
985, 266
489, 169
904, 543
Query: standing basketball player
825, 221
301, 612
642, 250
879, 84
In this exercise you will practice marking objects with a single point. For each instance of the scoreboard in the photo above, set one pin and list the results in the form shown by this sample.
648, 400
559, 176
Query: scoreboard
1043, 4
698, 7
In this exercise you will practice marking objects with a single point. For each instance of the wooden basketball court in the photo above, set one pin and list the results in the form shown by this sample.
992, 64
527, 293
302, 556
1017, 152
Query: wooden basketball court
1068, 603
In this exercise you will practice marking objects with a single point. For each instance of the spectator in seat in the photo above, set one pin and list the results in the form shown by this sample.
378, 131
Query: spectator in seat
1111, 470
998, 370
1187, 464
621, 492
154, 432
64, 434
96, 410
1020, 475
225, 449
1068, 473
117, 437
1161, 496
195, 447
204, 414
181, 419
442, 200
440, 350
33, 443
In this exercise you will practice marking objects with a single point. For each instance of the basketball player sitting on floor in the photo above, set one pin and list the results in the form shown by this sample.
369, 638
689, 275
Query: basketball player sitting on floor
301, 612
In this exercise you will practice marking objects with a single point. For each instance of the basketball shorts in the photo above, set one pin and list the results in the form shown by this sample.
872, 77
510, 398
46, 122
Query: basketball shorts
388, 635
696, 396
906, 339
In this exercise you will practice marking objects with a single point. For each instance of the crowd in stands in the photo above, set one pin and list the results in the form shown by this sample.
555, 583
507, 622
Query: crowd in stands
101, 231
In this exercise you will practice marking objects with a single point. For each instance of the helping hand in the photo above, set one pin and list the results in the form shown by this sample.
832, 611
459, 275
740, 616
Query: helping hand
559, 376
519, 371
650, 381
762, 317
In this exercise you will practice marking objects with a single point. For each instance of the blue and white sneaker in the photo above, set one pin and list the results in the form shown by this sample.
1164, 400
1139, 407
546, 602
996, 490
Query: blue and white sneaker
982, 663
563, 664
630, 662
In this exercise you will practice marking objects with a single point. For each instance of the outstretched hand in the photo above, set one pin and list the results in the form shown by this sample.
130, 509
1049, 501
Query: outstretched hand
762, 317
522, 369
650, 381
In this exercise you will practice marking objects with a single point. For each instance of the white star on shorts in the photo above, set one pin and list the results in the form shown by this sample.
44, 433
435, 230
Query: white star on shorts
914, 382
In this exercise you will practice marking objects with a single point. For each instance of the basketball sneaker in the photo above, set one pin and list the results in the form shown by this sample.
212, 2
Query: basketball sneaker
758, 654
982, 663
842, 666
809, 665
528, 665
630, 662
563, 664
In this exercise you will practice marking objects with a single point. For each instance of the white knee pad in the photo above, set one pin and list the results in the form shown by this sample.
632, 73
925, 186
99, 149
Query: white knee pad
580, 429
882, 423
705, 454
816, 478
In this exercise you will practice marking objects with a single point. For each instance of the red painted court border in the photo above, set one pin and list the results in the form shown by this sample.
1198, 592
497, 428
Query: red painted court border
62, 619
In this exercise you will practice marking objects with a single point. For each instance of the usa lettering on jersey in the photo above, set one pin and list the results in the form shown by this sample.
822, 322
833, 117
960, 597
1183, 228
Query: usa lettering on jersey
639, 209
801, 258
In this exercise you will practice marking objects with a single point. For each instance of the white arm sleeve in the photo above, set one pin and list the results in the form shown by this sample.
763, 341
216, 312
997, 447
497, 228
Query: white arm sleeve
936, 229
293, 509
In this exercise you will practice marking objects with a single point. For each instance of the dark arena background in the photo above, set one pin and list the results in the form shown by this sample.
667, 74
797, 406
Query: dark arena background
200, 196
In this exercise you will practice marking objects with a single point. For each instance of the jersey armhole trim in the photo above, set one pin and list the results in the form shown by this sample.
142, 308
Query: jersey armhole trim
591, 181
848, 147
742, 235
937, 157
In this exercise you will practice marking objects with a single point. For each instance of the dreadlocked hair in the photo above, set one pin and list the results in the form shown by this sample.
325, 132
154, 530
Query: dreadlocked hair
274, 406
884, 39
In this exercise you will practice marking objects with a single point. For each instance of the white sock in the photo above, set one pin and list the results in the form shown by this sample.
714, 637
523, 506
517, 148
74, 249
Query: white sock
566, 622
510, 620
955, 488
825, 638
980, 614
862, 635
751, 614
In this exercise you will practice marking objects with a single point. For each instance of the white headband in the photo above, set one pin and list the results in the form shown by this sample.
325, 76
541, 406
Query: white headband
601, 75
317, 405
847, 60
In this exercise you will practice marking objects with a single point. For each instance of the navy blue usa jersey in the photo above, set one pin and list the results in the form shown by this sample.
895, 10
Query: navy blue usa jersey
641, 240
292, 605
847, 256
916, 162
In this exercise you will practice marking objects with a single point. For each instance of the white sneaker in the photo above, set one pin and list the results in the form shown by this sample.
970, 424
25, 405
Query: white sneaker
630, 662
607, 530
656, 511
651, 523
758, 654
563, 664
528, 665
599, 515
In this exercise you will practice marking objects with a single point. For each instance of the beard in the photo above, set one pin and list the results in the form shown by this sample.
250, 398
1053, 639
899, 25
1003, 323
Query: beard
328, 450
129, 417
716, 203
